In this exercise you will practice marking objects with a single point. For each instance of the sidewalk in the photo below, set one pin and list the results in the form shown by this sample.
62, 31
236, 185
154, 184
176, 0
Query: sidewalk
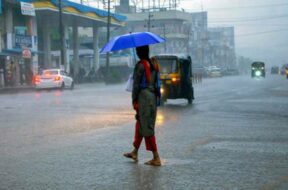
16, 89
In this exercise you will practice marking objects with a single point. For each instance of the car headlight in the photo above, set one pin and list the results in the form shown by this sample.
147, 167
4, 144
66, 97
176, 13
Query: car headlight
162, 90
258, 73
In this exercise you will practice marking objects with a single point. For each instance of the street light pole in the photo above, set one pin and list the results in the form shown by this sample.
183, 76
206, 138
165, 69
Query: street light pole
164, 30
61, 33
108, 37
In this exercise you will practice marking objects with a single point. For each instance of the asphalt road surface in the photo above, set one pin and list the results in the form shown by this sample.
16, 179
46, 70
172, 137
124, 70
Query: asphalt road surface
233, 136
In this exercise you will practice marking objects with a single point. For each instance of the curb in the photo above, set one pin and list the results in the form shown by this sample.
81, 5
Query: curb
19, 89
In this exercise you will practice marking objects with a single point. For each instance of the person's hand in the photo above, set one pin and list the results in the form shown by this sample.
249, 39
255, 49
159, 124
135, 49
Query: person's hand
137, 116
135, 106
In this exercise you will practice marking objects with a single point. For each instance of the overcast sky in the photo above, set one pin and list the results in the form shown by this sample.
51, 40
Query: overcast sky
261, 26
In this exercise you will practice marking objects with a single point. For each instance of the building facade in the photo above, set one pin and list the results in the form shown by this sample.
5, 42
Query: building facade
175, 26
221, 51
19, 47
27, 30
184, 32
198, 42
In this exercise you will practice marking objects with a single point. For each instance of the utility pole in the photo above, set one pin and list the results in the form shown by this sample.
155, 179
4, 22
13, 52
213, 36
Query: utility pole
61, 31
108, 38
165, 44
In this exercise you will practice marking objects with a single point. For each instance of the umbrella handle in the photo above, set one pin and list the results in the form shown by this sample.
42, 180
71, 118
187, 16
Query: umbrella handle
134, 55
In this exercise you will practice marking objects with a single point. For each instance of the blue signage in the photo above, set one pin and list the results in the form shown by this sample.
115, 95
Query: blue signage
0, 6
23, 41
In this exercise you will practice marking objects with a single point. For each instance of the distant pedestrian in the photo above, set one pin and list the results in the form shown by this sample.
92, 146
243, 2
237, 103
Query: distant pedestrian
12, 71
29, 76
81, 74
72, 71
144, 99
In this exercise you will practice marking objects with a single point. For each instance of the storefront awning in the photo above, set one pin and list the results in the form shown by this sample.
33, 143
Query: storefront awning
72, 8
16, 51
4, 54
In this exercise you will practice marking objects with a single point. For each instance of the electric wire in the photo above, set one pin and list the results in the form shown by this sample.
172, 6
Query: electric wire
248, 19
241, 7
263, 32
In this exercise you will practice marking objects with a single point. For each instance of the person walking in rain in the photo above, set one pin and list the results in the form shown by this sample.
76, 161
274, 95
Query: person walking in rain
145, 94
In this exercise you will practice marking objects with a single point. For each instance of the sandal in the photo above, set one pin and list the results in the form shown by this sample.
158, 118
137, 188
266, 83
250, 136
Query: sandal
154, 162
131, 155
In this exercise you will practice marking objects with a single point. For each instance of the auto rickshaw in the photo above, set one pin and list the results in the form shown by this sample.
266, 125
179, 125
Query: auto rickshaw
284, 70
257, 69
176, 77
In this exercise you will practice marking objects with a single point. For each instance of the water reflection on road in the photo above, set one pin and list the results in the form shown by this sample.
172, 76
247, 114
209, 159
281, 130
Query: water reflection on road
234, 135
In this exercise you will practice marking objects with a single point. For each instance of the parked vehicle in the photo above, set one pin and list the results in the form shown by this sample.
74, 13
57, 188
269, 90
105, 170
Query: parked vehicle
176, 77
275, 70
214, 71
53, 78
258, 69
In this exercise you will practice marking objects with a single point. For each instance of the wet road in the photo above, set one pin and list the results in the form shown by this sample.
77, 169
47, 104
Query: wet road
234, 136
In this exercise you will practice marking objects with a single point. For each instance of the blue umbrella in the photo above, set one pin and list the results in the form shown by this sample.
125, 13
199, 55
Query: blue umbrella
131, 40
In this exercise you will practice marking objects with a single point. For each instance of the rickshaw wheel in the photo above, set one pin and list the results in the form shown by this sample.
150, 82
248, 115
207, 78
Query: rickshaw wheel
189, 100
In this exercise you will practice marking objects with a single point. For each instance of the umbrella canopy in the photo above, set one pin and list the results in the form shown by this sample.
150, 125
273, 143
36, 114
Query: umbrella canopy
131, 40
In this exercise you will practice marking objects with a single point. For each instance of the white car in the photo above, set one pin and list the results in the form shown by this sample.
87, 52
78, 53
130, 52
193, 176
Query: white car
53, 78
214, 72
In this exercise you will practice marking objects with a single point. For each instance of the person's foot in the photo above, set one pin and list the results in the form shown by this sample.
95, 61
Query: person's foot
154, 162
131, 155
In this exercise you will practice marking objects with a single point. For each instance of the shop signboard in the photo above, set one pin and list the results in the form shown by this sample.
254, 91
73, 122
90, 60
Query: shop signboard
0, 6
23, 41
27, 9
20, 30
26, 53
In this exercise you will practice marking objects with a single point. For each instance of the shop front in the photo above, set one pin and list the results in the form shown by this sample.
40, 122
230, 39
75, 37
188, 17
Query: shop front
16, 68
19, 47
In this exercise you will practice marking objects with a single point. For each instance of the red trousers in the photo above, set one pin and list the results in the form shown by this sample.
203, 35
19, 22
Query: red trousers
150, 142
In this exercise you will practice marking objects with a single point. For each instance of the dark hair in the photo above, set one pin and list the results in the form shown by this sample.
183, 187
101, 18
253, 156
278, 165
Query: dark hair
143, 53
